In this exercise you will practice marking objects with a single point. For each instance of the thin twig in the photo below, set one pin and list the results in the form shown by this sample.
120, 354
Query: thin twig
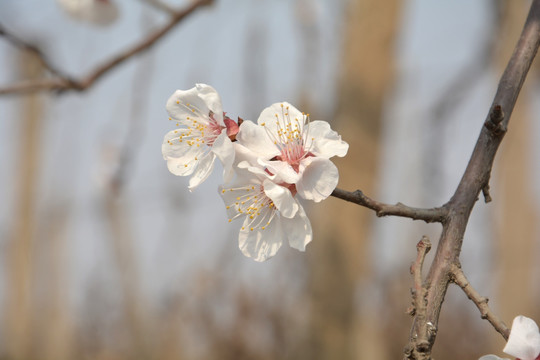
428, 215
33, 49
65, 83
419, 342
459, 278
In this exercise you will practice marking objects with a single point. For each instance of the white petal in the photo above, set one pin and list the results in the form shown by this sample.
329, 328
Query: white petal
212, 100
282, 198
255, 138
298, 230
524, 340
323, 141
229, 195
492, 357
283, 171
243, 154
182, 159
319, 178
285, 113
180, 167
224, 150
255, 170
172, 148
187, 103
261, 244
203, 170
229, 200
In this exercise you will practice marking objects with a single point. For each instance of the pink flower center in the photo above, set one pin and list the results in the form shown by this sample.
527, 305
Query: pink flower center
293, 155
291, 138
214, 128
291, 187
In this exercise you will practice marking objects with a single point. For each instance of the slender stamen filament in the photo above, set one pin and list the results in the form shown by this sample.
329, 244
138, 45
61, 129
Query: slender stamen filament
291, 137
253, 203
200, 130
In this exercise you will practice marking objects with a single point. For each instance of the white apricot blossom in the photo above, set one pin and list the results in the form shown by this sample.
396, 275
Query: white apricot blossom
296, 149
201, 137
523, 342
98, 12
271, 214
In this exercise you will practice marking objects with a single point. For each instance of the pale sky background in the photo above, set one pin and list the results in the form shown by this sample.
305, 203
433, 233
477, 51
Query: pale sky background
177, 232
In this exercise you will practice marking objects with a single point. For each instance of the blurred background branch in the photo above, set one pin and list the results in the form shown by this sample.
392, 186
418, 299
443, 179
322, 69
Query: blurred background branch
64, 83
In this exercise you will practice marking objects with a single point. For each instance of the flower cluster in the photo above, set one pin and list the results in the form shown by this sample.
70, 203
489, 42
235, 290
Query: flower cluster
267, 165
523, 342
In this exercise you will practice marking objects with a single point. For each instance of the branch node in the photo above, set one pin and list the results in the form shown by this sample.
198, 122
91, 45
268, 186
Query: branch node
422, 346
485, 192
497, 114
495, 120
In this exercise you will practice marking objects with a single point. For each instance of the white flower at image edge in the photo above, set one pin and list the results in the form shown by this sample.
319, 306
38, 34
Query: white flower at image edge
295, 149
271, 213
523, 342
98, 12
201, 136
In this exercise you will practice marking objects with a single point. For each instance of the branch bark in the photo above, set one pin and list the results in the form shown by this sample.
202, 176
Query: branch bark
459, 278
438, 214
477, 173
61, 82
454, 215
418, 345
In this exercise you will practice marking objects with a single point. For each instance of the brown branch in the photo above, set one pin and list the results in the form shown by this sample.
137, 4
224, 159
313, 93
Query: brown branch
428, 215
64, 83
33, 49
419, 343
458, 277
477, 173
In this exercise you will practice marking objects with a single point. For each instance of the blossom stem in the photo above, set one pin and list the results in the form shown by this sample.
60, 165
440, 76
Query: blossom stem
438, 214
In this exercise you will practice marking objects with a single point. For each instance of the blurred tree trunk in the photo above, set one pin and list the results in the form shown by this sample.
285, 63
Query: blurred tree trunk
340, 258
18, 334
134, 320
55, 327
517, 216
